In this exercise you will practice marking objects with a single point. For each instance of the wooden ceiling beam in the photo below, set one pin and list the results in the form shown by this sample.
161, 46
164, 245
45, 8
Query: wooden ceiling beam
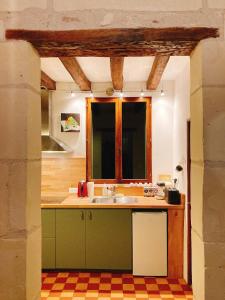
47, 82
116, 67
114, 42
157, 70
73, 67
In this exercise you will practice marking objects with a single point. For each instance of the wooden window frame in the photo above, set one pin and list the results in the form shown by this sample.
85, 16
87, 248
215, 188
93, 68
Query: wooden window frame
118, 134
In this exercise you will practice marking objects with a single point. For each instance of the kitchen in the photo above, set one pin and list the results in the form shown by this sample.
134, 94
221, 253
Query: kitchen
83, 234
32, 30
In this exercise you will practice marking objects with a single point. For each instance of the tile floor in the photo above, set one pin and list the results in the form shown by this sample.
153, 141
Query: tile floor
110, 286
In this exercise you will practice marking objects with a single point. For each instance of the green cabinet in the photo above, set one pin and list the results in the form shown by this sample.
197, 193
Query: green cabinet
48, 238
70, 238
87, 239
108, 239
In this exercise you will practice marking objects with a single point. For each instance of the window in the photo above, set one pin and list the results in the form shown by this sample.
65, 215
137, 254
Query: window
119, 140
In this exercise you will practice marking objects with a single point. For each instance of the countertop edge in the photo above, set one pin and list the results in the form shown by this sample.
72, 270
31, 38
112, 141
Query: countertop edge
83, 203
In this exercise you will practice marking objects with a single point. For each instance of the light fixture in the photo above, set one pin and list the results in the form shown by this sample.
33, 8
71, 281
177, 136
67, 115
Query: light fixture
72, 94
162, 93
121, 95
142, 94
92, 95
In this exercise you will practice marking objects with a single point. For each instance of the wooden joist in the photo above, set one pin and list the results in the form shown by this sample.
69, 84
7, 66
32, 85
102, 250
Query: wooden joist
114, 42
157, 70
73, 67
116, 66
47, 82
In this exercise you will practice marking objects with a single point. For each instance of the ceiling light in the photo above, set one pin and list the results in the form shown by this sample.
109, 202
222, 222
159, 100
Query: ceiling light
121, 95
162, 93
91, 95
72, 94
142, 94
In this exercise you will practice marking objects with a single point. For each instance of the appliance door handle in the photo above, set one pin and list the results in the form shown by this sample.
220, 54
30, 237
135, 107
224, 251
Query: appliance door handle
90, 215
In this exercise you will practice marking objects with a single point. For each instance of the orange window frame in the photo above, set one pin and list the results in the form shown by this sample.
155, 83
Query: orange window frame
118, 143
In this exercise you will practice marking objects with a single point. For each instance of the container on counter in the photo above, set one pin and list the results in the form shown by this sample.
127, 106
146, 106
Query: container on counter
161, 191
82, 189
150, 190
90, 189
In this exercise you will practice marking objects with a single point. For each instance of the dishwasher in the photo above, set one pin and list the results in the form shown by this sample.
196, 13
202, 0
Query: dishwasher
149, 243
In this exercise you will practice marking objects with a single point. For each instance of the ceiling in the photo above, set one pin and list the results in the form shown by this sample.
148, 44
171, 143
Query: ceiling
97, 69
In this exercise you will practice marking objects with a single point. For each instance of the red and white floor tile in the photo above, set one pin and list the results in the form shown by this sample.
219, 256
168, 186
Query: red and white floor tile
110, 286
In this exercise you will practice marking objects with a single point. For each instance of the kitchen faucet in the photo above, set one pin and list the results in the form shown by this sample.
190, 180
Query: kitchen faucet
111, 190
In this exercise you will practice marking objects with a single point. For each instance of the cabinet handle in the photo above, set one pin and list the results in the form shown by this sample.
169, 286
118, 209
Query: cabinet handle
90, 215
82, 215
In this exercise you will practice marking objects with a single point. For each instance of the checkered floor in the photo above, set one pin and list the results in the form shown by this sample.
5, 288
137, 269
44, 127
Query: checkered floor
110, 286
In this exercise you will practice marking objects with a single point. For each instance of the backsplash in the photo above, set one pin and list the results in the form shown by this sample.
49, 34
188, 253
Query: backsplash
59, 174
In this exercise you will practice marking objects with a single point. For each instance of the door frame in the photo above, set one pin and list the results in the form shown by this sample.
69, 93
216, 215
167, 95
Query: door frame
189, 242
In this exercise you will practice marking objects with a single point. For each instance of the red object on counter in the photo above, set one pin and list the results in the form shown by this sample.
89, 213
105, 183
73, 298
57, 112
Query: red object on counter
82, 189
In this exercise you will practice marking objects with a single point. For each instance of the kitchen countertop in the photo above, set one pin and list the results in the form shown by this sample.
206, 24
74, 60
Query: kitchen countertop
72, 201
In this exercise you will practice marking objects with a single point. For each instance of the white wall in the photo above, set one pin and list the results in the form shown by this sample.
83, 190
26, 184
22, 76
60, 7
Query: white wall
162, 121
162, 131
63, 102
181, 116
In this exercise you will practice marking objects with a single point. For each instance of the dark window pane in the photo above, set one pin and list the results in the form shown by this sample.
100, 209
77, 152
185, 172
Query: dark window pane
133, 147
103, 143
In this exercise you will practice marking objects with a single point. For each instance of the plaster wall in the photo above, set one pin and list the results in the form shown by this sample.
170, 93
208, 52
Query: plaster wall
162, 121
181, 116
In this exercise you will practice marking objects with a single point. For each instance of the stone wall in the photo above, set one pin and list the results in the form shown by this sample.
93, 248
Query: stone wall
208, 169
67, 14
20, 168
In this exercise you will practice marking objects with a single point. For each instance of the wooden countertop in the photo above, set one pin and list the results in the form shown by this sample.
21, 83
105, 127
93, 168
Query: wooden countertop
72, 201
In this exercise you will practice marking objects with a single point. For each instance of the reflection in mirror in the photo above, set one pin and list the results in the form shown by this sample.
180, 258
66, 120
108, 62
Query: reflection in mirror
133, 140
103, 140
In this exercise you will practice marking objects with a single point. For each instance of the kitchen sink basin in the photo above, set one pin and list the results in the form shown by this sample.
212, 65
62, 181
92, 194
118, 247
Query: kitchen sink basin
114, 200
103, 200
126, 200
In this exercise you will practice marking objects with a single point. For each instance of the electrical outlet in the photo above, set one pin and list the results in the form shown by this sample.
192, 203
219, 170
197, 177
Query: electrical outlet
72, 190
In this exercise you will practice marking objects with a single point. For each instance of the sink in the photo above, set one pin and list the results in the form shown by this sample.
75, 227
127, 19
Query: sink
114, 200
126, 200
103, 200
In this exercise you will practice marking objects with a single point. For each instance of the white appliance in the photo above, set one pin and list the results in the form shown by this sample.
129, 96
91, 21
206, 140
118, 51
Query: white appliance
150, 243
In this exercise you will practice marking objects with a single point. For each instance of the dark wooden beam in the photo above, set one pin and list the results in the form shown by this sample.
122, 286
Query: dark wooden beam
116, 66
73, 67
157, 70
114, 42
47, 82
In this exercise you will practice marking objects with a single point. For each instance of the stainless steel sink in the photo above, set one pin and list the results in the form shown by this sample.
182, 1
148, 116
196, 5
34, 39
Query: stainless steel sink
126, 200
103, 200
114, 200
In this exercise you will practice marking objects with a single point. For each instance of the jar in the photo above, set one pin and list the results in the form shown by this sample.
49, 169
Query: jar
161, 191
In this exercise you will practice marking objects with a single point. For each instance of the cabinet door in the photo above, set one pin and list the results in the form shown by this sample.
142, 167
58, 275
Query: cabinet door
48, 253
48, 238
108, 239
48, 222
70, 238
